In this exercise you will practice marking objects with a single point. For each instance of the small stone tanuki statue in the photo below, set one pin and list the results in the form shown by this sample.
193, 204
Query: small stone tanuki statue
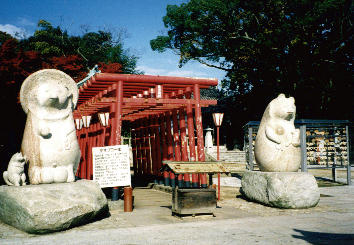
15, 171
277, 147
48, 97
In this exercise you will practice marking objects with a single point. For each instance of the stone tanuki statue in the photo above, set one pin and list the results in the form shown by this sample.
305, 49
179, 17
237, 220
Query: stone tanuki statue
49, 143
51, 149
15, 171
278, 155
277, 147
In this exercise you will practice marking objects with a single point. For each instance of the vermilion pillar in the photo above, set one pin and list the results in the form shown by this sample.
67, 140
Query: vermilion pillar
117, 124
152, 145
89, 151
113, 108
176, 140
78, 172
182, 128
199, 127
177, 146
134, 149
158, 148
191, 137
103, 136
164, 147
147, 146
170, 146
93, 144
116, 108
119, 96
144, 144
84, 153
138, 141
141, 147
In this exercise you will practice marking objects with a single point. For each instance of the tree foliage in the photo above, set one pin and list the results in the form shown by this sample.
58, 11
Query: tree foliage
52, 47
300, 48
4, 37
92, 47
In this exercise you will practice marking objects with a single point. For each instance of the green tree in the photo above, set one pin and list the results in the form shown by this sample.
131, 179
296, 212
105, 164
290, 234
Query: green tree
91, 47
4, 37
275, 46
300, 48
48, 41
99, 46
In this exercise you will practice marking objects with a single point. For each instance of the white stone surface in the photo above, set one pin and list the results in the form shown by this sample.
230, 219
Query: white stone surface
228, 181
52, 207
15, 171
277, 146
49, 142
281, 189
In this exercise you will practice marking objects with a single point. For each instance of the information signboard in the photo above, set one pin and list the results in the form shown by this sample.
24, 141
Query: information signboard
111, 165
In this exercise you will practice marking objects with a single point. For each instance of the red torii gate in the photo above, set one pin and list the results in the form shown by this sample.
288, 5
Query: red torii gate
151, 104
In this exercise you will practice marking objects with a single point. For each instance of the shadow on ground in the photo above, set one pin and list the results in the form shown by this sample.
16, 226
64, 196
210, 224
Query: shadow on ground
324, 238
326, 182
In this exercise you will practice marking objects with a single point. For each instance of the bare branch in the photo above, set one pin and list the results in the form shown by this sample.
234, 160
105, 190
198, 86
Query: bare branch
78, 50
210, 65
249, 38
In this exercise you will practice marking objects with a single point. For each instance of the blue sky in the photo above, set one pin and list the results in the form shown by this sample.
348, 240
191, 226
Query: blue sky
141, 19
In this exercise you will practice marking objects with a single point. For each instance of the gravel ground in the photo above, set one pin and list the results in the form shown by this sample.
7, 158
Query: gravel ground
237, 221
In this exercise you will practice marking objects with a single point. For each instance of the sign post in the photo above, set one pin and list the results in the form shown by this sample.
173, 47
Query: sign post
217, 117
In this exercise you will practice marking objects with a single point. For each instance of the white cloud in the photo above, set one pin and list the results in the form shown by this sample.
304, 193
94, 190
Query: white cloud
14, 31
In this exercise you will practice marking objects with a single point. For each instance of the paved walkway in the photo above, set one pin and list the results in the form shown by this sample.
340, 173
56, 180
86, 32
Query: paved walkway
237, 222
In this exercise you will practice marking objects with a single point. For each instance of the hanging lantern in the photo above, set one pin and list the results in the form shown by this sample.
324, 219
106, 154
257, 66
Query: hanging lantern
104, 118
146, 94
159, 92
86, 121
78, 123
218, 119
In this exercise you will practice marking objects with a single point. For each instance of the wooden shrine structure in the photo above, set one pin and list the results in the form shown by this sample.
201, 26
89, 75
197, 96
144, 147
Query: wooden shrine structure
164, 115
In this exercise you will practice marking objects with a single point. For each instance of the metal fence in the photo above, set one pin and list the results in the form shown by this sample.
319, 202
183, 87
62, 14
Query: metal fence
324, 144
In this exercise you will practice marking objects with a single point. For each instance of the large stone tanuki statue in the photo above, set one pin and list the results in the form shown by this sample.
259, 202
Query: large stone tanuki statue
277, 147
51, 149
49, 143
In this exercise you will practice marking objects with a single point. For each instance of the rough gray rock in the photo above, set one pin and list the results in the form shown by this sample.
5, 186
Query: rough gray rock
281, 189
52, 207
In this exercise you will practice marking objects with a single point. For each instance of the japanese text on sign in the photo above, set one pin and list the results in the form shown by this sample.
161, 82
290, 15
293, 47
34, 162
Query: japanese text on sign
111, 165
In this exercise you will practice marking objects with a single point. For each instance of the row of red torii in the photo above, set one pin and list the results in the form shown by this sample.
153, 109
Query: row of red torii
156, 109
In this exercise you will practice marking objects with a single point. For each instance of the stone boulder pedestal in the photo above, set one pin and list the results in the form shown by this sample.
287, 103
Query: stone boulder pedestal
281, 189
52, 207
